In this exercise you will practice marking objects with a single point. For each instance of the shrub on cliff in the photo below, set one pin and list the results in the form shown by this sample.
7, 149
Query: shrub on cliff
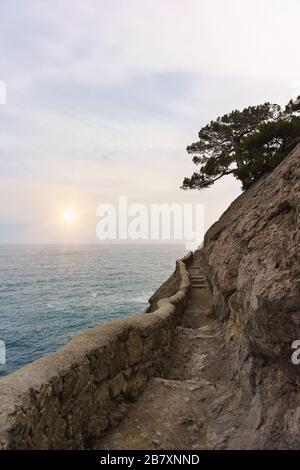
244, 143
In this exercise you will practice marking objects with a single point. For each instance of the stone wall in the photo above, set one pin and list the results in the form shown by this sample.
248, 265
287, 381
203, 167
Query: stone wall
69, 399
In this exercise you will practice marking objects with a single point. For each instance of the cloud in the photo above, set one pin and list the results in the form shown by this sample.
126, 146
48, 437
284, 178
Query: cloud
108, 94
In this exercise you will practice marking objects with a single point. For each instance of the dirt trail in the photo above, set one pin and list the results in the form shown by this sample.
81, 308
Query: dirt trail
195, 404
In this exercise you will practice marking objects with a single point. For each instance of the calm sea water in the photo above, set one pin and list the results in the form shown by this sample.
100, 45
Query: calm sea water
48, 293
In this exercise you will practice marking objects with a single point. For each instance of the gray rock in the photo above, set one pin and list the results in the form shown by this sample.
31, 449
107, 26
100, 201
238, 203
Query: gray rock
251, 256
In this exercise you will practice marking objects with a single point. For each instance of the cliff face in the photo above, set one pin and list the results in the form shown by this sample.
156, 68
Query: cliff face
251, 258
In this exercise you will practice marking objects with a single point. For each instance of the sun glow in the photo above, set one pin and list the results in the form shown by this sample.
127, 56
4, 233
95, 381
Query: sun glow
69, 216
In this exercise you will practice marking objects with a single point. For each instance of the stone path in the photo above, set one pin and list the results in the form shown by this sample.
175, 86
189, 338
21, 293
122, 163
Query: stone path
195, 404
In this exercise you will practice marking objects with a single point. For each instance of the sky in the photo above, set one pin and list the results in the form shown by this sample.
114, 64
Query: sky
102, 98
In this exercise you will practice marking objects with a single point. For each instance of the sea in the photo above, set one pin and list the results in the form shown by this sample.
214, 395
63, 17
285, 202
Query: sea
48, 293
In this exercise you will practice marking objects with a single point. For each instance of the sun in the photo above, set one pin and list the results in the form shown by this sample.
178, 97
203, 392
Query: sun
69, 216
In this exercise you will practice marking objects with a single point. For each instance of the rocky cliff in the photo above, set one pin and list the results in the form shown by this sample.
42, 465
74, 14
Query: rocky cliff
251, 259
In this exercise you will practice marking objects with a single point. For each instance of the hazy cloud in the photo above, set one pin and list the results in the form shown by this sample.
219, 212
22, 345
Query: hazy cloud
104, 96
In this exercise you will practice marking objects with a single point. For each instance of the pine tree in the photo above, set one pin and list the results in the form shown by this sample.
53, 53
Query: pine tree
243, 143
267, 147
